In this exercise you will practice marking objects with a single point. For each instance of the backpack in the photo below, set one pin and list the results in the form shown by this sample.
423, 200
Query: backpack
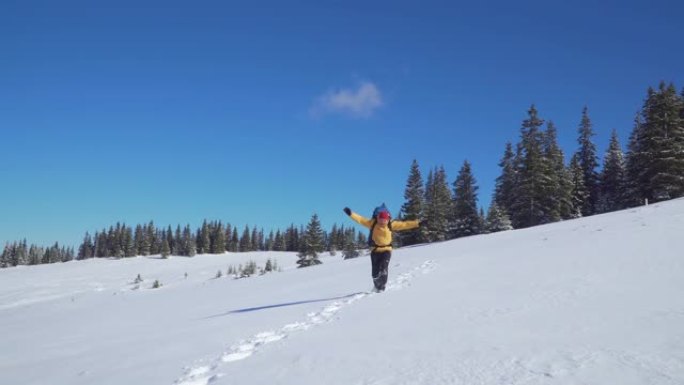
379, 209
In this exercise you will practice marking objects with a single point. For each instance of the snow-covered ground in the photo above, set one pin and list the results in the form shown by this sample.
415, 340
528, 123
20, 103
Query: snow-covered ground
598, 300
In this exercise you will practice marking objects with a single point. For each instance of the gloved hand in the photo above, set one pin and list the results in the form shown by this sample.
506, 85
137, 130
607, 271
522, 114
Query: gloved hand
423, 224
347, 211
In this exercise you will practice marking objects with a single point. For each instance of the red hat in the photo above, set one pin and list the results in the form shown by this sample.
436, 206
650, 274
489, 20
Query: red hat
384, 215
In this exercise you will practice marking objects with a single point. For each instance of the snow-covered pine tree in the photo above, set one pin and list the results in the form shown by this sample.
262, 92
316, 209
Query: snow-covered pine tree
280, 244
87, 248
235, 241
483, 221
656, 159
351, 248
313, 242
497, 219
558, 204
245, 240
612, 177
437, 206
531, 204
189, 245
218, 244
254, 245
177, 248
466, 219
412, 209
270, 241
129, 243
588, 161
506, 182
579, 193
35, 255
165, 249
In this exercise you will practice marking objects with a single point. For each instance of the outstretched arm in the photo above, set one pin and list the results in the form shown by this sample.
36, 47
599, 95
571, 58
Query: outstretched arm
405, 225
358, 218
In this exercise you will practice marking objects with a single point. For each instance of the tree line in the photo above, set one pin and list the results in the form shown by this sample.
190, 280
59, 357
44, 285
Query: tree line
536, 186
212, 237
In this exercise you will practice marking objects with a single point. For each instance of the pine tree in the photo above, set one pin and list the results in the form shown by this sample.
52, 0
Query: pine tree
165, 249
466, 217
351, 248
139, 239
280, 244
178, 245
87, 248
588, 161
655, 162
531, 204
218, 245
148, 239
254, 246
245, 240
506, 182
228, 237
438, 211
189, 245
313, 243
497, 219
612, 178
558, 203
129, 242
412, 209
234, 241
579, 192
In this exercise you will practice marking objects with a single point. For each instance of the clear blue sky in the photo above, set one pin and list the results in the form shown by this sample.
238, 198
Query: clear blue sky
264, 113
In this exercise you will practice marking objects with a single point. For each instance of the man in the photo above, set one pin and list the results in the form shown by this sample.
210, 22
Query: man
380, 240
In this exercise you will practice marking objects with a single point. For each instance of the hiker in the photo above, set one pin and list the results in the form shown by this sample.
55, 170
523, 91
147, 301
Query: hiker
380, 240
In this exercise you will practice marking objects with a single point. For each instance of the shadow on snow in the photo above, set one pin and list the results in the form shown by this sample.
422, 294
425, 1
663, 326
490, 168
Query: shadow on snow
258, 308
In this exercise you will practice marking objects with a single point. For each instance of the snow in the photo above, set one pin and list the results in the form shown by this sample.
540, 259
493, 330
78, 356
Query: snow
598, 300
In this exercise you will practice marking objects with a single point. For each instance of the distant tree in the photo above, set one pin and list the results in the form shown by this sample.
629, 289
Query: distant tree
245, 240
438, 211
280, 244
87, 248
588, 162
559, 201
534, 185
313, 243
254, 246
466, 216
655, 161
506, 182
234, 241
497, 219
579, 192
612, 177
218, 245
351, 247
166, 249
412, 209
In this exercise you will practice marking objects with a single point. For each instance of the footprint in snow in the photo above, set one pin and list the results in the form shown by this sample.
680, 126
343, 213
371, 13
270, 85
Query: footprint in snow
206, 374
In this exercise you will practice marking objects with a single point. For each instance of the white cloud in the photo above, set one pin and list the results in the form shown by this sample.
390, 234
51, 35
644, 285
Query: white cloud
358, 103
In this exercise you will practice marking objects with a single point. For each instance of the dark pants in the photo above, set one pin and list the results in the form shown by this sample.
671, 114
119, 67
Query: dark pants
380, 262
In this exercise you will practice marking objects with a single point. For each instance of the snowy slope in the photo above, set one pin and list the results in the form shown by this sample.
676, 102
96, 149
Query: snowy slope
598, 300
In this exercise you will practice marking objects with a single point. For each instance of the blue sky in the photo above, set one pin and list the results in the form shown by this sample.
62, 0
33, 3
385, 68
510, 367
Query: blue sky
267, 112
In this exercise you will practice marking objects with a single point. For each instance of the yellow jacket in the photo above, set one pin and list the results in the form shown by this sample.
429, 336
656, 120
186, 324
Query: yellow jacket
382, 235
